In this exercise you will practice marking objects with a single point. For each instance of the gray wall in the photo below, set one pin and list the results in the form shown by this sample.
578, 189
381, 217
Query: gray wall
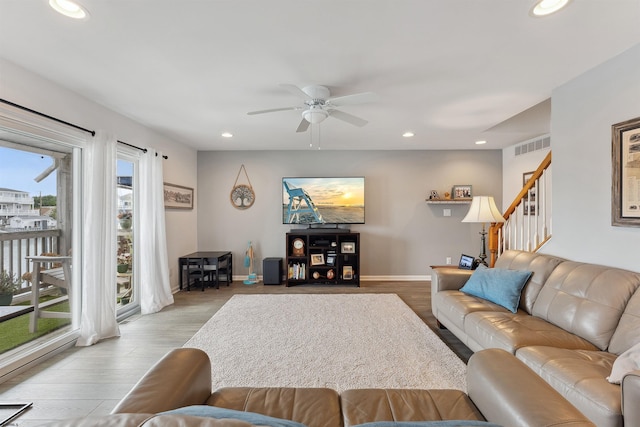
402, 236
583, 111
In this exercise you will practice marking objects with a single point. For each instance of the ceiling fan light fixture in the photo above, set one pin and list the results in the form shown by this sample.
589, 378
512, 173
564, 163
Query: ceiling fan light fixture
547, 7
315, 115
69, 8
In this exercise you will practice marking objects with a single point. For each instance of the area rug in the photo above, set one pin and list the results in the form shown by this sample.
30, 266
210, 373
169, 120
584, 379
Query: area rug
336, 341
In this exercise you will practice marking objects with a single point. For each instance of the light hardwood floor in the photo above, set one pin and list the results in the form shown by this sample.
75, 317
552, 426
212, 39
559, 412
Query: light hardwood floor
91, 380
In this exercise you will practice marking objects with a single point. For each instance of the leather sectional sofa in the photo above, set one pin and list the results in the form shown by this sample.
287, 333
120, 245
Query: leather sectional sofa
573, 321
501, 389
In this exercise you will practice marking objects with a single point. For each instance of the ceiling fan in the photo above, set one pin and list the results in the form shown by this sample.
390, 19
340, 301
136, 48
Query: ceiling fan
318, 105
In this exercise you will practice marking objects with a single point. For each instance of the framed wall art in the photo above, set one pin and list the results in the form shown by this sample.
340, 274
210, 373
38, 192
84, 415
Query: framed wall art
177, 197
625, 185
529, 206
461, 192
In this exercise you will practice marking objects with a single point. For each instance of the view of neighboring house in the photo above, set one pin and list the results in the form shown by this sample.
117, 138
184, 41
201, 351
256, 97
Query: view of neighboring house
17, 212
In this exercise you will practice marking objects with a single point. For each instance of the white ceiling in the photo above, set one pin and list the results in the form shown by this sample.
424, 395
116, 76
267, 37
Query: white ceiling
452, 71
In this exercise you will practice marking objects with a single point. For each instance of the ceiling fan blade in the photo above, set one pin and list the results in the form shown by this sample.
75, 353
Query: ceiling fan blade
273, 110
296, 91
349, 118
303, 126
356, 98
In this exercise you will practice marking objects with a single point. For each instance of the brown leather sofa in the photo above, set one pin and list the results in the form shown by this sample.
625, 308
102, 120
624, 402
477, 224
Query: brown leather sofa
573, 321
501, 389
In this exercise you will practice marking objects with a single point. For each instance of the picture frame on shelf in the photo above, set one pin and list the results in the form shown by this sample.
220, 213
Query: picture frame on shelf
331, 259
317, 259
177, 196
347, 272
348, 247
530, 205
461, 192
625, 159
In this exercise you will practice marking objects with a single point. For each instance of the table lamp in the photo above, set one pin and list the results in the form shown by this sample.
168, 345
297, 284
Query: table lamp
483, 209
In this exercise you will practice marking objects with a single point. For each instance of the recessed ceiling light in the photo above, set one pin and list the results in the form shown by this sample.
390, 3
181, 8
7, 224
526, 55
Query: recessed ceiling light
69, 8
480, 142
547, 7
227, 134
408, 134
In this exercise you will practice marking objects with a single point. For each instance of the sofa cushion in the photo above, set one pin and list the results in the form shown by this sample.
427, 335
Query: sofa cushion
369, 405
627, 362
207, 411
539, 264
579, 376
456, 305
586, 299
510, 332
313, 407
626, 334
448, 423
500, 286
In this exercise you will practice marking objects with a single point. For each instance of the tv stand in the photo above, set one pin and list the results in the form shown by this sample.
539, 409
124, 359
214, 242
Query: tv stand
321, 256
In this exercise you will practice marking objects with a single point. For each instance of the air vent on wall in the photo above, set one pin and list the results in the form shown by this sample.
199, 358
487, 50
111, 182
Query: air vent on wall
533, 145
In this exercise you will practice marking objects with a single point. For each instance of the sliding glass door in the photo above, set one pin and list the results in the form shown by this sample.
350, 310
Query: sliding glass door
127, 294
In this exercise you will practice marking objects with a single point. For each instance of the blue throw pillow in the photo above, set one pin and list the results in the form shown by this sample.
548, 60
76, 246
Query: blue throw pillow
207, 411
447, 423
502, 287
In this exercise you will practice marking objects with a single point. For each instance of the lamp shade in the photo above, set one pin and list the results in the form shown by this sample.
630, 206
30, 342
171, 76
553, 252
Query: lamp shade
483, 209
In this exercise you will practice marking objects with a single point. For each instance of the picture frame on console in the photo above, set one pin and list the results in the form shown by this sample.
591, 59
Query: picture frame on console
625, 197
317, 259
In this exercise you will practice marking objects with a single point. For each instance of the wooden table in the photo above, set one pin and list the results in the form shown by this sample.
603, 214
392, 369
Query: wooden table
213, 259
11, 311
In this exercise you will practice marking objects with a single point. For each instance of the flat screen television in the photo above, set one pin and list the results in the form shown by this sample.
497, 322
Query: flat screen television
323, 200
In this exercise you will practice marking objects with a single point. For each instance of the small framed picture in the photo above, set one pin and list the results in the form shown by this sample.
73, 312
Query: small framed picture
347, 272
331, 259
461, 192
348, 247
466, 262
529, 204
317, 259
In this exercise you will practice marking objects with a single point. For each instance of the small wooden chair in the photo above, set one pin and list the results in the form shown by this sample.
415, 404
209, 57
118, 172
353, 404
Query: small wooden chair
59, 276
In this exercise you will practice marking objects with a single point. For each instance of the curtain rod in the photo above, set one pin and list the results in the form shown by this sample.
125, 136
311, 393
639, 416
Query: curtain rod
92, 132
144, 150
13, 104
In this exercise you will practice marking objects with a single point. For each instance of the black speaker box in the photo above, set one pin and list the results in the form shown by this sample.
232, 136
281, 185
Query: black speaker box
272, 271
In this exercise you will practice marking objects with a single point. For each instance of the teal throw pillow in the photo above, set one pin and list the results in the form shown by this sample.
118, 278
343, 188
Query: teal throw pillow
447, 423
207, 411
499, 286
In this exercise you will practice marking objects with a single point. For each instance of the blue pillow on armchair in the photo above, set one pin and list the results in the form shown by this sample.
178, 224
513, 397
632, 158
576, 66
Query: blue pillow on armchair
499, 286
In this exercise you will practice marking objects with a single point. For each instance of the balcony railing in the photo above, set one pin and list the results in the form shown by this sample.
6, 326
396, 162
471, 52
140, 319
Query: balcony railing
16, 246
19, 212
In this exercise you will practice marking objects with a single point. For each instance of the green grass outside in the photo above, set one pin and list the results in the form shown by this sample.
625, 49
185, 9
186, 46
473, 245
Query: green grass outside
15, 332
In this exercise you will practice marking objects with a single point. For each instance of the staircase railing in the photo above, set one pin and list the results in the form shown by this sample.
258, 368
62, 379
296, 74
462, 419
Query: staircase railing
528, 219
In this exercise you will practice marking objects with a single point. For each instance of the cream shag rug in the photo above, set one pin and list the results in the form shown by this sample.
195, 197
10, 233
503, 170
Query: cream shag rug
335, 341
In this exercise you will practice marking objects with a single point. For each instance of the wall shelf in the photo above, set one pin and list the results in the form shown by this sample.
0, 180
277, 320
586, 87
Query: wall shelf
449, 201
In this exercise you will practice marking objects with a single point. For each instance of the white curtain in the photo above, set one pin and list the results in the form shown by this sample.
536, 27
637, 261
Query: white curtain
155, 288
98, 317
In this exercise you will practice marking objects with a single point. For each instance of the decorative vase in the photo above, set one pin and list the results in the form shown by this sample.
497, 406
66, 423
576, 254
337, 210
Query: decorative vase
123, 268
125, 224
5, 299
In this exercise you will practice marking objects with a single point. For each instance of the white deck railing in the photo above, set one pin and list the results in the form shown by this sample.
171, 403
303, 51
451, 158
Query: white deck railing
16, 246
